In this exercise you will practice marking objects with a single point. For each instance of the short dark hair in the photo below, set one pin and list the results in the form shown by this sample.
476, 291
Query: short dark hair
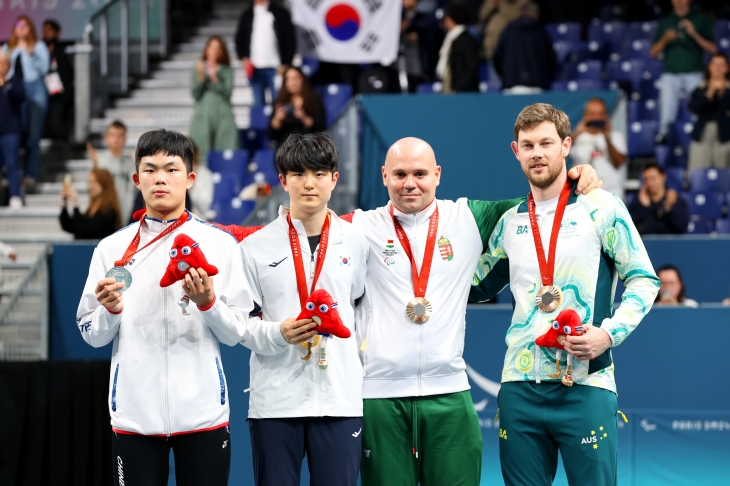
313, 151
165, 142
458, 13
654, 165
117, 124
675, 269
53, 23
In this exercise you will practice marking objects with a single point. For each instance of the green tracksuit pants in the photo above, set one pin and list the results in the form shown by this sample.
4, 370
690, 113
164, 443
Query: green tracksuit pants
435, 440
538, 420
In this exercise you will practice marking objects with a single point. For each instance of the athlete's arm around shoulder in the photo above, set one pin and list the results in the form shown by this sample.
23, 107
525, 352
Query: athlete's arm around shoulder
621, 242
356, 240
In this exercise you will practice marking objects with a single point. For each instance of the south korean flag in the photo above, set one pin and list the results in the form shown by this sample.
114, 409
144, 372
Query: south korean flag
348, 31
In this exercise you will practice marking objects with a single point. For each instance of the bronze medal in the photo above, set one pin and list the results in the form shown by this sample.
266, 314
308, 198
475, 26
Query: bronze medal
549, 298
419, 310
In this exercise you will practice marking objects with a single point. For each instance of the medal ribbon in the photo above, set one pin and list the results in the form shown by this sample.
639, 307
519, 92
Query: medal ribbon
547, 267
419, 282
132, 249
299, 263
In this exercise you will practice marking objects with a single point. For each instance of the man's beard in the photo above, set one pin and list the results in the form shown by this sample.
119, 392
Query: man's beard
546, 180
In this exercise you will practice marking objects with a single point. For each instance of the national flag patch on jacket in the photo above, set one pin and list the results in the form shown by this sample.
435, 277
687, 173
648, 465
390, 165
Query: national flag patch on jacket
447, 253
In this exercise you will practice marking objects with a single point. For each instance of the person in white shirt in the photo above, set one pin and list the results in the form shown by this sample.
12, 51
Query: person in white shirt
595, 143
265, 44
167, 388
300, 405
671, 291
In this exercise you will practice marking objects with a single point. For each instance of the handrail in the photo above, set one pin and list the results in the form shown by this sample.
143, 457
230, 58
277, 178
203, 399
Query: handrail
26, 280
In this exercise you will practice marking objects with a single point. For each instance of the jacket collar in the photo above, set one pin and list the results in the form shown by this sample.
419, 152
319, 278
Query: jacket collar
336, 228
419, 218
155, 226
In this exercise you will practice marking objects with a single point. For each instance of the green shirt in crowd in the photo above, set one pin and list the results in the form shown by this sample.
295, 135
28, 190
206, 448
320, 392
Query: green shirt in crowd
684, 55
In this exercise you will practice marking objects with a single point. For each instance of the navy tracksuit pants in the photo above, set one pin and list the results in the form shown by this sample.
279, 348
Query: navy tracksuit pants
331, 445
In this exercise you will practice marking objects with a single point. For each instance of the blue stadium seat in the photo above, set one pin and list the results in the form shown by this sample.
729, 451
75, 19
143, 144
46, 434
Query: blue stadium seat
255, 136
568, 31
609, 32
641, 30
662, 154
640, 110
263, 163
722, 28
565, 49
722, 226
225, 186
706, 204
649, 89
597, 50
653, 68
309, 66
576, 85
491, 86
699, 227
589, 69
678, 157
628, 73
259, 117
483, 72
234, 211
429, 88
683, 112
675, 178
710, 180
232, 161
641, 138
680, 134
335, 97
723, 45
637, 49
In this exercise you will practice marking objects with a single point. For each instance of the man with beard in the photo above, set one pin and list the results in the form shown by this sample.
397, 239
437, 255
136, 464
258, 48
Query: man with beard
558, 252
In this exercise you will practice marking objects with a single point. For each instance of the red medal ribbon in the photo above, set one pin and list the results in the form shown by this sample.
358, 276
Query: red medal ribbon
419, 282
547, 267
135, 241
299, 263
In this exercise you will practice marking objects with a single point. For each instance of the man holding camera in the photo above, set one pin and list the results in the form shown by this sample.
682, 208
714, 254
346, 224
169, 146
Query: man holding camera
596, 144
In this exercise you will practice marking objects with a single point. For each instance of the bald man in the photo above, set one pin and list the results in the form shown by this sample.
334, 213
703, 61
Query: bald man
420, 422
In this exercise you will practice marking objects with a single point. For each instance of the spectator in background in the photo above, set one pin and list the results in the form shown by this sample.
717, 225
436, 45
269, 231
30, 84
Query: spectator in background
657, 210
418, 35
120, 164
213, 126
201, 194
524, 57
710, 145
494, 16
59, 83
34, 59
265, 43
458, 65
12, 95
671, 290
298, 108
595, 143
682, 36
102, 218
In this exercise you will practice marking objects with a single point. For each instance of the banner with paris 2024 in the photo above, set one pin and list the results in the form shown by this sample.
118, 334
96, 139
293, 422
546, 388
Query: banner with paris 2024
348, 31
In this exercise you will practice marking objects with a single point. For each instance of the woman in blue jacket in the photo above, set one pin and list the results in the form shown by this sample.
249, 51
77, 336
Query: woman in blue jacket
12, 95
33, 54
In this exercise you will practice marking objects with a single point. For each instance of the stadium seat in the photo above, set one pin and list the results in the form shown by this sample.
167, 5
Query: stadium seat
675, 178
640, 110
683, 112
609, 32
706, 204
255, 137
226, 186
722, 226
709, 180
678, 157
259, 117
662, 153
589, 69
491, 86
699, 227
429, 88
680, 134
722, 28
636, 49
627, 73
263, 163
653, 68
335, 97
568, 31
483, 72
649, 89
309, 66
233, 161
641, 30
234, 211
576, 85
564, 50
723, 45
641, 138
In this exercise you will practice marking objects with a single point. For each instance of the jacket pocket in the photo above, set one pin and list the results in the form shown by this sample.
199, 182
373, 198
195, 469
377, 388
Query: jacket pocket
222, 381
114, 389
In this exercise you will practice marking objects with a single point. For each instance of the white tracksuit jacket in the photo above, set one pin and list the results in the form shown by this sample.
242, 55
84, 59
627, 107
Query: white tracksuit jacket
282, 384
166, 371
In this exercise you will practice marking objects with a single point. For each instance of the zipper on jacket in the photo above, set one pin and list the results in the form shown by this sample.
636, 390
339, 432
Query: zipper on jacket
421, 338
317, 371
168, 426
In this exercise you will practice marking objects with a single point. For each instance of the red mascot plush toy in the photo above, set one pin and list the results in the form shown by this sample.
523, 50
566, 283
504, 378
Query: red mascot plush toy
567, 323
185, 253
322, 309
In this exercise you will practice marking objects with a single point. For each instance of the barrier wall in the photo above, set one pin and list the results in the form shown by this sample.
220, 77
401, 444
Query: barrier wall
470, 133
670, 374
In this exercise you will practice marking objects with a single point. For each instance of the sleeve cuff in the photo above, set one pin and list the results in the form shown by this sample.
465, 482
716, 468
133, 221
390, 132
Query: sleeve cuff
112, 312
607, 325
278, 338
209, 306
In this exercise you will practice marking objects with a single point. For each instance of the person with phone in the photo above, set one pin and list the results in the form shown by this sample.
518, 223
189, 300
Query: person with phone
298, 108
597, 144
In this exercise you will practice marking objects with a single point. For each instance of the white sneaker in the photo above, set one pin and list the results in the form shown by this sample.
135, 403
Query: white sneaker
16, 202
